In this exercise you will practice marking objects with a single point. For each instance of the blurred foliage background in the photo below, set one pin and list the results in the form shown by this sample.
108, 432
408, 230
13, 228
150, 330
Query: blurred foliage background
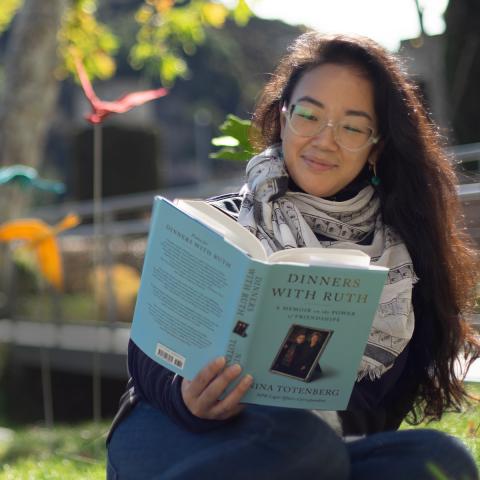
214, 59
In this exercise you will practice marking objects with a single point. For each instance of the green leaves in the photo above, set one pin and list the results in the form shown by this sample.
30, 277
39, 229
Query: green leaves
235, 141
241, 13
7, 12
170, 29
83, 36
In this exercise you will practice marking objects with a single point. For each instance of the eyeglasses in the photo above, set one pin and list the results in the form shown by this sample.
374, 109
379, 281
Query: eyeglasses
352, 134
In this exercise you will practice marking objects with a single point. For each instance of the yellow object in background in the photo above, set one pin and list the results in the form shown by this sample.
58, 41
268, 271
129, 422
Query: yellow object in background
41, 238
124, 282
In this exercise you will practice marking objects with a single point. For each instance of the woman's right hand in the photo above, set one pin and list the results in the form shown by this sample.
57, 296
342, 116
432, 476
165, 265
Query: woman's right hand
201, 395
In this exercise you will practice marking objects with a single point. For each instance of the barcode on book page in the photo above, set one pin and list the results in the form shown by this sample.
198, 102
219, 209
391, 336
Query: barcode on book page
170, 356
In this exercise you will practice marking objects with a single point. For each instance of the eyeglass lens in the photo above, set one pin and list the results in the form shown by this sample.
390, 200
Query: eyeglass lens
350, 132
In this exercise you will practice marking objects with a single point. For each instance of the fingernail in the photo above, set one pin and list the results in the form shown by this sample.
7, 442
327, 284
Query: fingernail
220, 362
236, 368
247, 379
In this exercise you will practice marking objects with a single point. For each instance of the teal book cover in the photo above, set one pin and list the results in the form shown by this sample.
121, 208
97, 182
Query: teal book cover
299, 330
308, 328
188, 291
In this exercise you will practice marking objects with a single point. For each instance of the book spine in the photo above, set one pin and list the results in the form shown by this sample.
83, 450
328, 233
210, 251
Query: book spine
245, 316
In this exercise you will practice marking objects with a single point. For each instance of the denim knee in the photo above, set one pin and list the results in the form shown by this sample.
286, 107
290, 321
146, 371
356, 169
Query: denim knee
450, 457
279, 444
420, 454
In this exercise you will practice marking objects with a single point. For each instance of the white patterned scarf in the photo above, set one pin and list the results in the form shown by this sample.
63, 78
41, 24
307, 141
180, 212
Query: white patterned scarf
282, 219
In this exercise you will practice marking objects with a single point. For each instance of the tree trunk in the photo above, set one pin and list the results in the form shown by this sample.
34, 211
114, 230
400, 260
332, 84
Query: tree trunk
30, 93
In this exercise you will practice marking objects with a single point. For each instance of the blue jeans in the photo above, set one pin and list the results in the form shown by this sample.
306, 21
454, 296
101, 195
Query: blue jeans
277, 444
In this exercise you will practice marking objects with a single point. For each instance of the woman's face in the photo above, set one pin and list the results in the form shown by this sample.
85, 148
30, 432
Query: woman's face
318, 164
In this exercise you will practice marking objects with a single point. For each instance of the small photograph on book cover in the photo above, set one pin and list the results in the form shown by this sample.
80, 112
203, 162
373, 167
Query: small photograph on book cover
241, 328
300, 352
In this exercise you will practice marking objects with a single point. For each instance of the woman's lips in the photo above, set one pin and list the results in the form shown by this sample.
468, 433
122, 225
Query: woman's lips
317, 164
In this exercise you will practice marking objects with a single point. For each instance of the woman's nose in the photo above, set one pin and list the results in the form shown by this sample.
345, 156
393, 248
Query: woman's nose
325, 138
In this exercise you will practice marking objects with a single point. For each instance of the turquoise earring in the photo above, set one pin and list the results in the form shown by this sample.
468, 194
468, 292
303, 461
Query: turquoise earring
375, 180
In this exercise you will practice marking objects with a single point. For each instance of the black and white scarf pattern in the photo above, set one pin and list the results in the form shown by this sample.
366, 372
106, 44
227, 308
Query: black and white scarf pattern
283, 219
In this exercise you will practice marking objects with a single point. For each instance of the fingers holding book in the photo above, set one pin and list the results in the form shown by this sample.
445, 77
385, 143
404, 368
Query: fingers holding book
202, 394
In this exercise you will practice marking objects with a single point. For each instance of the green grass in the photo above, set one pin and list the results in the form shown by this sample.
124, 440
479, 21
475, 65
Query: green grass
64, 452
464, 425
52, 469
78, 452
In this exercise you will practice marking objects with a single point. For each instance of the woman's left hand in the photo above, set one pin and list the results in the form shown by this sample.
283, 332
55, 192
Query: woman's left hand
202, 394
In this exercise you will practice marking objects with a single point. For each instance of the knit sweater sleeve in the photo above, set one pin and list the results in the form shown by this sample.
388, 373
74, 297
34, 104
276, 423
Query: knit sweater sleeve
161, 388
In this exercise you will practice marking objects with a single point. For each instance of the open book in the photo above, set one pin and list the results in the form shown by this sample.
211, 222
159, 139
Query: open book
297, 320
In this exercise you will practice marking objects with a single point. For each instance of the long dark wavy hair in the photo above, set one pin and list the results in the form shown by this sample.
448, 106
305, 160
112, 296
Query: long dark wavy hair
418, 199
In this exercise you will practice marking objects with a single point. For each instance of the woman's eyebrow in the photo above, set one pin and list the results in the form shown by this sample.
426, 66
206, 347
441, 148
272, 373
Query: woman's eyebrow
311, 100
357, 113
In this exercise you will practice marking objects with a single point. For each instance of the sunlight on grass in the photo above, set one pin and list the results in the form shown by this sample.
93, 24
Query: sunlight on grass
464, 425
65, 452
52, 469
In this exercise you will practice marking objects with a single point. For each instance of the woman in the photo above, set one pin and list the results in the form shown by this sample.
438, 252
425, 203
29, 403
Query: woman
349, 159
